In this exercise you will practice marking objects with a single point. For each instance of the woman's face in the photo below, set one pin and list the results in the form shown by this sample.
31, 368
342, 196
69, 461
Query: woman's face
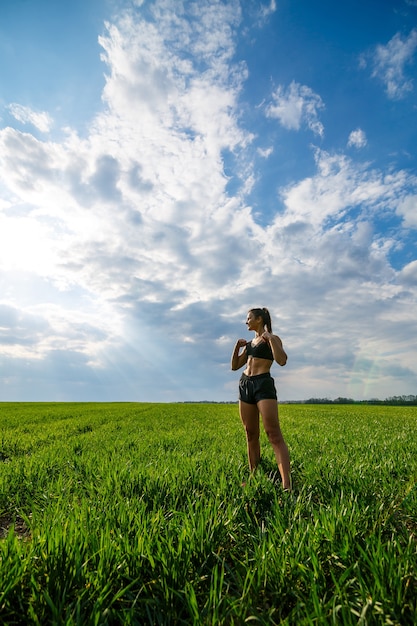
252, 322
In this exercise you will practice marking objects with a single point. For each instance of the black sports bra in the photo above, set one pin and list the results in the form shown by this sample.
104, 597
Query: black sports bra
262, 350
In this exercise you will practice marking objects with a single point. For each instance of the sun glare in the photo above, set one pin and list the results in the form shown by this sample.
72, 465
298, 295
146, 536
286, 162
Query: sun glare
25, 245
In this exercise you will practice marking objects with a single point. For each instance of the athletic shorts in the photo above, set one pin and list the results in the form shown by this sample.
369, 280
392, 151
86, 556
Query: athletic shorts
255, 388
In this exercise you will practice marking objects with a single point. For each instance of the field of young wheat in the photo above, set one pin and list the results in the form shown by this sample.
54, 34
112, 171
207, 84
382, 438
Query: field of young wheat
136, 514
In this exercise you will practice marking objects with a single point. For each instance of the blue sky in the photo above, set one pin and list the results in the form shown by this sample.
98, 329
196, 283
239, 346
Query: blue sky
166, 165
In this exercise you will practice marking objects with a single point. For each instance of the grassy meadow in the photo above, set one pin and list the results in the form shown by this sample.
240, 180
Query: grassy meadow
136, 514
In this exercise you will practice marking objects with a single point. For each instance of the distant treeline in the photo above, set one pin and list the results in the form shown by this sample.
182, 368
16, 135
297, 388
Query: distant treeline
394, 400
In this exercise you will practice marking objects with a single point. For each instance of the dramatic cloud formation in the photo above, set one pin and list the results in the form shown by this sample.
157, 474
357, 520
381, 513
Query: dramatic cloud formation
131, 247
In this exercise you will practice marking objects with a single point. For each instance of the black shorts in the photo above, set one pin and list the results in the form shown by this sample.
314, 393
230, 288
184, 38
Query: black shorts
255, 388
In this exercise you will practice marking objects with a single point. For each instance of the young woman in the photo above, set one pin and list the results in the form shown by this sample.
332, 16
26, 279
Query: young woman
257, 393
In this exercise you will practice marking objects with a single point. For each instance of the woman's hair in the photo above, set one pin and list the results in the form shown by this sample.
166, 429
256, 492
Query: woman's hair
266, 318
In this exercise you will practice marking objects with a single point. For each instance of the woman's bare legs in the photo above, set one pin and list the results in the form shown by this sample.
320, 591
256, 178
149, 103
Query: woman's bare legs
249, 414
269, 412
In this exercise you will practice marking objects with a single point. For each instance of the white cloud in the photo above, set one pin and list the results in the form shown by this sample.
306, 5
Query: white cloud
35, 331
407, 209
389, 63
267, 10
41, 120
409, 273
296, 106
265, 153
357, 139
339, 186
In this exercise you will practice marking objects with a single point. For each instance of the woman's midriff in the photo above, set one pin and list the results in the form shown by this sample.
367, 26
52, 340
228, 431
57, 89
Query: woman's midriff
256, 366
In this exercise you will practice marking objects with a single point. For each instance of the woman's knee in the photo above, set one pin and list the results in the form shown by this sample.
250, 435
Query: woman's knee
252, 434
275, 437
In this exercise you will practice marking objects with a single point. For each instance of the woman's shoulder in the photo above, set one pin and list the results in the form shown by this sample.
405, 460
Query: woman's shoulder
277, 337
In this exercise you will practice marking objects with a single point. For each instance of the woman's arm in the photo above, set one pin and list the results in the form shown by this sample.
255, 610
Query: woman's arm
278, 351
238, 359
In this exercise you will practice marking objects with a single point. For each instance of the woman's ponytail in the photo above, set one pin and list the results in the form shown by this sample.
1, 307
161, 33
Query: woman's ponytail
267, 320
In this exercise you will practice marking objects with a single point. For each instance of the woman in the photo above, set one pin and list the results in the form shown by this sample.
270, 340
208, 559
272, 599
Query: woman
257, 394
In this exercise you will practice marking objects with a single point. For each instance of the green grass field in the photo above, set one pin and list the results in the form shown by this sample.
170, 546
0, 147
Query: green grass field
136, 514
